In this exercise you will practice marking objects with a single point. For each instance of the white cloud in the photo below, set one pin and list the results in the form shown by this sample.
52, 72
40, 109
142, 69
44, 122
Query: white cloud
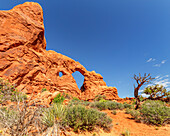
141, 91
163, 61
145, 95
151, 59
157, 77
163, 80
159, 64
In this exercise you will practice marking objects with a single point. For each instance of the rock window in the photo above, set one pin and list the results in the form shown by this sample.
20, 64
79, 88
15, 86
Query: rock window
60, 74
79, 79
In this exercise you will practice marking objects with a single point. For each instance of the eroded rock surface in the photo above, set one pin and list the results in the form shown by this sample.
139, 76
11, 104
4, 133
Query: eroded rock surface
25, 61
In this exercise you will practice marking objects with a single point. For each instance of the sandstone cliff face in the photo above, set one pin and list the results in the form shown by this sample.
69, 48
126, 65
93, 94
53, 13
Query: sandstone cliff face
25, 61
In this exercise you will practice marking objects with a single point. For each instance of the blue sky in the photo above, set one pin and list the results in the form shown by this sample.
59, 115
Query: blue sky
116, 38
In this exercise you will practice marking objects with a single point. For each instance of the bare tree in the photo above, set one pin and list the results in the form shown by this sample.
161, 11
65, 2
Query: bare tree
140, 80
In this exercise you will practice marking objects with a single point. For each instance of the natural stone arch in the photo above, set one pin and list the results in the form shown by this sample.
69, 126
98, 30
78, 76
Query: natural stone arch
79, 78
82, 71
60, 74
32, 67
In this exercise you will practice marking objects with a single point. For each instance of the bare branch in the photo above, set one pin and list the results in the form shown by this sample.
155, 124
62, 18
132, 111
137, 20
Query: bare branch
141, 80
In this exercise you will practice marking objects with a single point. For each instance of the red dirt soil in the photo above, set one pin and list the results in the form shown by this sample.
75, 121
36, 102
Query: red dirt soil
122, 122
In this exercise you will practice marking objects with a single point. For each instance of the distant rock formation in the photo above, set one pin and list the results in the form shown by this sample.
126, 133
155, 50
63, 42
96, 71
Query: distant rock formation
25, 61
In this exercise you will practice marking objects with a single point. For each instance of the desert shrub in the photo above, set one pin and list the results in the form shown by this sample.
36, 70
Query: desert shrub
59, 99
8, 92
67, 96
112, 105
76, 99
53, 114
74, 102
107, 105
135, 114
126, 105
133, 102
43, 89
103, 100
20, 119
78, 102
114, 112
126, 133
155, 112
99, 97
80, 118
127, 111
120, 106
52, 117
99, 105
86, 103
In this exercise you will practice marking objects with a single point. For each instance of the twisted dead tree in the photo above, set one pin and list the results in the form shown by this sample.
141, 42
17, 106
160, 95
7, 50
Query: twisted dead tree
140, 80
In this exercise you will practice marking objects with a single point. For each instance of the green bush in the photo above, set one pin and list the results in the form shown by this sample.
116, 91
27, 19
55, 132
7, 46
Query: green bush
43, 89
151, 112
126, 133
126, 105
103, 105
67, 96
53, 115
8, 92
80, 118
99, 97
115, 105
112, 105
59, 99
155, 112
99, 105
114, 112
120, 106
78, 102
135, 114
127, 111
103, 100
76, 99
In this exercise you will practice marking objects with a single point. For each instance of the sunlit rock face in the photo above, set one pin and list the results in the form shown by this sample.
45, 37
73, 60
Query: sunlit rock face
25, 61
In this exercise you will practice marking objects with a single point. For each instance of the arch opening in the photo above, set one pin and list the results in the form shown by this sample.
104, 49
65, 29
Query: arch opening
79, 79
60, 74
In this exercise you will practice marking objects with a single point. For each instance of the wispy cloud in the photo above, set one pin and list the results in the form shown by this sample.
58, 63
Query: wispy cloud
161, 80
145, 95
165, 82
150, 60
159, 64
163, 61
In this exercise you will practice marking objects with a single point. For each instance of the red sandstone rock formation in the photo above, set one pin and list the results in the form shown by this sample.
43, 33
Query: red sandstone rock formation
25, 61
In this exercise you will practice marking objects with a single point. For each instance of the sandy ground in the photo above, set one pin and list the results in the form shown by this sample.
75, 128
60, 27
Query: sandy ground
122, 122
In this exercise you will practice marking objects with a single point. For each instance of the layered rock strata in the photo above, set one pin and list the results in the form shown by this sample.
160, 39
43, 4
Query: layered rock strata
25, 61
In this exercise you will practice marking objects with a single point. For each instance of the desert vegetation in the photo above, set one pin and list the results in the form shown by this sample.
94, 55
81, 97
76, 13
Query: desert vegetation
20, 115
151, 112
